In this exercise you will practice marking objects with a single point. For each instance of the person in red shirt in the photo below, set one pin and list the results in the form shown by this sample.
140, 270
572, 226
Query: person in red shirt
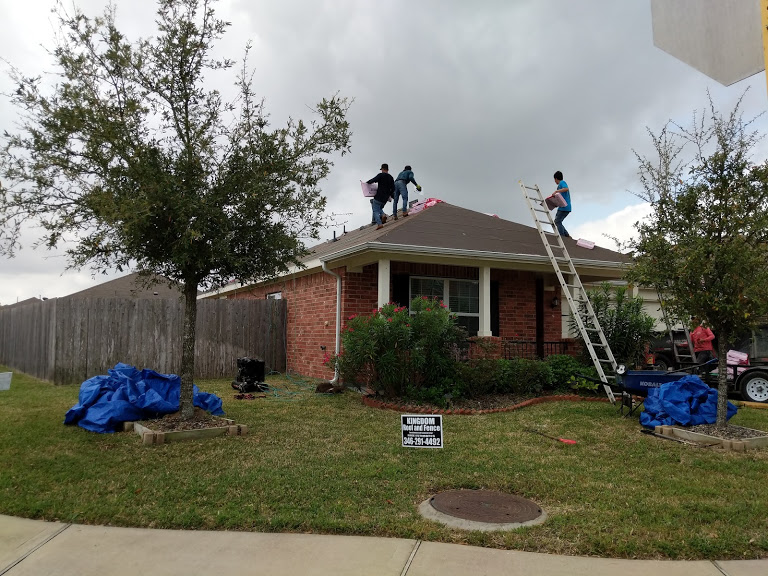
702, 343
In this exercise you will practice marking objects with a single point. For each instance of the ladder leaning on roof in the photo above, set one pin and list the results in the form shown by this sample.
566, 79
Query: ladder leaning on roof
593, 335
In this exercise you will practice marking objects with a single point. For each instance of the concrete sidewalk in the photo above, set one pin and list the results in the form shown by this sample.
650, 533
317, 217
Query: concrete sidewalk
30, 547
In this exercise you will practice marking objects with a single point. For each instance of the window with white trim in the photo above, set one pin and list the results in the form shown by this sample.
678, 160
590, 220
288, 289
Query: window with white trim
461, 296
275, 296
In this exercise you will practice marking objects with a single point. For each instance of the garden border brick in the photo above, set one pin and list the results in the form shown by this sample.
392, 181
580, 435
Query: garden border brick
374, 403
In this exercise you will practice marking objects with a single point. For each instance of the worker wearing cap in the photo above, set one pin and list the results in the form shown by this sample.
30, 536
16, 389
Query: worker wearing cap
401, 190
384, 192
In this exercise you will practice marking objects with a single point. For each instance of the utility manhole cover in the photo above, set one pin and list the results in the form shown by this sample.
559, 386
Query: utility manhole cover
486, 506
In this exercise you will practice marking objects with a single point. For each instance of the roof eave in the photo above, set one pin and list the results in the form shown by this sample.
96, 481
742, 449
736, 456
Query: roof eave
381, 247
460, 253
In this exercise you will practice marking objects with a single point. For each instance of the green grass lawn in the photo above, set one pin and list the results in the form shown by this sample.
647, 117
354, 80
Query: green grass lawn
328, 464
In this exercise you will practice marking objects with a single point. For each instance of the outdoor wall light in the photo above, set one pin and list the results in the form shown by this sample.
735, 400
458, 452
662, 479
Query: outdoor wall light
555, 302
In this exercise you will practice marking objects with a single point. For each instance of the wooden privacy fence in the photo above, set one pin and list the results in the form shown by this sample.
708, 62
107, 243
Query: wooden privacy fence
69, 340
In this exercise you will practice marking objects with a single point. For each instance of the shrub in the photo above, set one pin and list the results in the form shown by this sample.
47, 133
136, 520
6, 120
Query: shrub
398, 353
480, 376
498, 376
627, 328
376, 349
523, 376
563, 367
435, 339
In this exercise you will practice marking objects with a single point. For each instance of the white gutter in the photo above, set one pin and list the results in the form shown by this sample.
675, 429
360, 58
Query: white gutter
338, 321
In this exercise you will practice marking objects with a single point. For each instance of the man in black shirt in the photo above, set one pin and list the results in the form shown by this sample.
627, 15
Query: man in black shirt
385, 191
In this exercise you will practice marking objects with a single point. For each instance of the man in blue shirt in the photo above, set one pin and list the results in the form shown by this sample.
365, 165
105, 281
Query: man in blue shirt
563, 211
401, 189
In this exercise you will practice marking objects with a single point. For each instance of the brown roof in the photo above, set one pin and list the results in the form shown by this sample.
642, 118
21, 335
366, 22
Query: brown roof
129, 286
448, 227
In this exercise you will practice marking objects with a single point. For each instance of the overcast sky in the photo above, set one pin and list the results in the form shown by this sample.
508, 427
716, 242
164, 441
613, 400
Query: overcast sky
474, 95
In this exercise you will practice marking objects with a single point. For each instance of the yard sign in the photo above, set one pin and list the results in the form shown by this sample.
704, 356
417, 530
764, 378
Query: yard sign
422, 430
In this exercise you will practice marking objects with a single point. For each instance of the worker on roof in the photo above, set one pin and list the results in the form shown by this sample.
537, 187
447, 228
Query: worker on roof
384, 192
401, 189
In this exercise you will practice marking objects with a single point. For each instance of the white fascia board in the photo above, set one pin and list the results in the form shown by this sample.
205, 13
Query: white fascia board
470, 254
308, 267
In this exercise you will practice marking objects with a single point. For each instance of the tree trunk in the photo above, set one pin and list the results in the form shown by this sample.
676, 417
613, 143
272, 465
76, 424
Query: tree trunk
186, 405
722, 381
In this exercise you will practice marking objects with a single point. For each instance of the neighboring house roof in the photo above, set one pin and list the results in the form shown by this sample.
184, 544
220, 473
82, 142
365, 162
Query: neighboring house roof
22, 303
449, 234
130, 286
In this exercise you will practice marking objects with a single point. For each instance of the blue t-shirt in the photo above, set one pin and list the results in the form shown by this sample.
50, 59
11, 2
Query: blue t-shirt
566, 195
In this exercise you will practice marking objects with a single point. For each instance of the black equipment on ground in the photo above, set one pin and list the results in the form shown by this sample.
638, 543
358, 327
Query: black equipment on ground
250, 375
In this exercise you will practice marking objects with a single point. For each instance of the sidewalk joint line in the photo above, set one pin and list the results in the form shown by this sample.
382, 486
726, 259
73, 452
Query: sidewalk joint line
407, 564
35, 549
714, 562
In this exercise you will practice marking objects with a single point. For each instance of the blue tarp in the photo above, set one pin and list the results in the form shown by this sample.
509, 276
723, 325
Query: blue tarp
127, 395
687, 402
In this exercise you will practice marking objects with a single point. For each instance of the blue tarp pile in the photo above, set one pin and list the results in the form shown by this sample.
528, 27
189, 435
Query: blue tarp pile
686, 402
127, 395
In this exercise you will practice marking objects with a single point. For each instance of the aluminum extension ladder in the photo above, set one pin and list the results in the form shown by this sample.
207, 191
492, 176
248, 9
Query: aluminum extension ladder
681, 358
593, 335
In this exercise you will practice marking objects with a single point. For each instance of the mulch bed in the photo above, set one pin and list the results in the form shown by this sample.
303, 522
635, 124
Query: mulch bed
172, 422
730, 432
488, 404
489, 401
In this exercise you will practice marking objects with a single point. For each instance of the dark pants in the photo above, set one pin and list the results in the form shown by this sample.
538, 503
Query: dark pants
562, 215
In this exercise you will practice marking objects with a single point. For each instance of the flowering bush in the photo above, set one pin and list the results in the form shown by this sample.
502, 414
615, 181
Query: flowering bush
402, 353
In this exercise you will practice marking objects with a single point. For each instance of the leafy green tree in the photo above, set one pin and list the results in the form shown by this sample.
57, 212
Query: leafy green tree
705, 243
132, 155
626, 325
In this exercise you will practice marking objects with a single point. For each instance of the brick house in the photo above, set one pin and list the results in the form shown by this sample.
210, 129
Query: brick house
493, 273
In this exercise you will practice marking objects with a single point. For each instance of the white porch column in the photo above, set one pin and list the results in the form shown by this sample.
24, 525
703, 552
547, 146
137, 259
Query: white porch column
383, 282
485, 302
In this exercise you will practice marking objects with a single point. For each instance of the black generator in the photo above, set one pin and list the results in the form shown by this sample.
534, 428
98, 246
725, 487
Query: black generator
250, 375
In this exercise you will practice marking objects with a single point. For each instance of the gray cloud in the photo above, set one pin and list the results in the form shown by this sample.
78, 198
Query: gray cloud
474, 95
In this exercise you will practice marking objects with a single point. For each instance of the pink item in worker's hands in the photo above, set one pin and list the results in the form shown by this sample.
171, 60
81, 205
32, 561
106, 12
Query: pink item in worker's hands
558, 199
369, 190
585, 244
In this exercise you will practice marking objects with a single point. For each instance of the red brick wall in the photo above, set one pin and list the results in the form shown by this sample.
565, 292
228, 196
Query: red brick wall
360, 292
311, 320
312, 307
